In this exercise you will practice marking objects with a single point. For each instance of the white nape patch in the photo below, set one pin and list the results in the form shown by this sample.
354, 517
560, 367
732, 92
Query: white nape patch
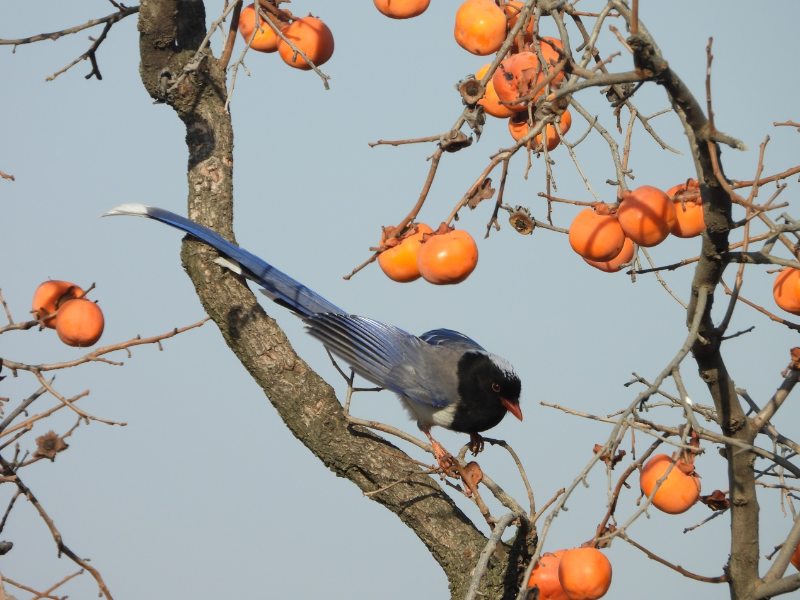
503, 365
227, 263
426, 415
133, 210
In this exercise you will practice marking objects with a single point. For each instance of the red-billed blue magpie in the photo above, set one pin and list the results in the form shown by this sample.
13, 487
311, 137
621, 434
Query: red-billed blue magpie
443, 377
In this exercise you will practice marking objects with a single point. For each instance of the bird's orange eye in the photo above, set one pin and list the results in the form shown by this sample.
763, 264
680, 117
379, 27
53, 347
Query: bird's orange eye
496, 387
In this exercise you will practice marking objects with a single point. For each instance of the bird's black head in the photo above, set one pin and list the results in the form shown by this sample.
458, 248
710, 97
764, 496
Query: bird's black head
488, 388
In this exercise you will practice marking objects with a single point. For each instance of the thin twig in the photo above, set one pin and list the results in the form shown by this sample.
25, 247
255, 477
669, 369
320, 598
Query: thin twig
62, 547
113, 18
719, 579
227, 50
95, 355
518, 462
660, 279
430, 138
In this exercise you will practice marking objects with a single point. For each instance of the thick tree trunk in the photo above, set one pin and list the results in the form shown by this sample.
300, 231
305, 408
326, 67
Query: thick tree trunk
170, 33
742, 568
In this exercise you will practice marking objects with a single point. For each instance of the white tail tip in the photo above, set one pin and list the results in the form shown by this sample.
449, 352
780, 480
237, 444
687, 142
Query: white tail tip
133, 210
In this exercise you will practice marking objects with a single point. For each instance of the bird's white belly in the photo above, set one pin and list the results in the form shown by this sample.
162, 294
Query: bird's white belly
427, 416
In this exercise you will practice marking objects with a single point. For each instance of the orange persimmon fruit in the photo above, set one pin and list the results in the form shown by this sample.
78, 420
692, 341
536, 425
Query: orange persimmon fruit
688, 205
646, 215
518, 125
402, 9
786, 290
679, 491
490, 102
265, 40
553, 139
615, 264
399, 262
515, 77
79, 323
545, 577
513, 7
595, 234
49, 296
447, 256
311, 36
551, 57
796, 558
584, 573
480, 27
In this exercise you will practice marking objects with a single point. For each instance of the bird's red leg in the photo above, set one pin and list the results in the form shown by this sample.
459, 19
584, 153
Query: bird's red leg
475, 443
443, 457
471, 473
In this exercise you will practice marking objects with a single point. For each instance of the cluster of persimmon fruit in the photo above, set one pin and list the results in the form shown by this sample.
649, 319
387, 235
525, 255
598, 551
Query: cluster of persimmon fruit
308, 34
585, 573
442, 257
63, 306
514, 84
604, 235
448, 256
481, 27
576, 574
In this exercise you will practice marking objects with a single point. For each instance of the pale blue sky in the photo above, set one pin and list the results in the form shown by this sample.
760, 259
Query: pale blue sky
205, 494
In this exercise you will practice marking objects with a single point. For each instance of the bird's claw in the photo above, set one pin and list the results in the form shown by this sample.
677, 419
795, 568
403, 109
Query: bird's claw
476, 443
445, 459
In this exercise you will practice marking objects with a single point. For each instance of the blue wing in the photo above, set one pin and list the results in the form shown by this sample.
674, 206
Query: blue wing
442, 337
277, 285
388, 356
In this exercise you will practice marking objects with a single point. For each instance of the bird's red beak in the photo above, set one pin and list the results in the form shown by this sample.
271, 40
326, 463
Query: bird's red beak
512, 407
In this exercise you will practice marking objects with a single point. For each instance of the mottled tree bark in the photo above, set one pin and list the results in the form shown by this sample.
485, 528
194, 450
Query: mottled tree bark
170, 33
742, 568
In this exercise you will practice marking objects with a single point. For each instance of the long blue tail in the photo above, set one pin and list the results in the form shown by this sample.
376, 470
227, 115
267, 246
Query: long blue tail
277, 285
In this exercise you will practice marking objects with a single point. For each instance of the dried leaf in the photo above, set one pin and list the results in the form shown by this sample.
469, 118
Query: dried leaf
484, 192
455, 141
604, 543
387, 232
389, 242
476, 119
795, 364
610, 460
689, 454
474, 474
716, 500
